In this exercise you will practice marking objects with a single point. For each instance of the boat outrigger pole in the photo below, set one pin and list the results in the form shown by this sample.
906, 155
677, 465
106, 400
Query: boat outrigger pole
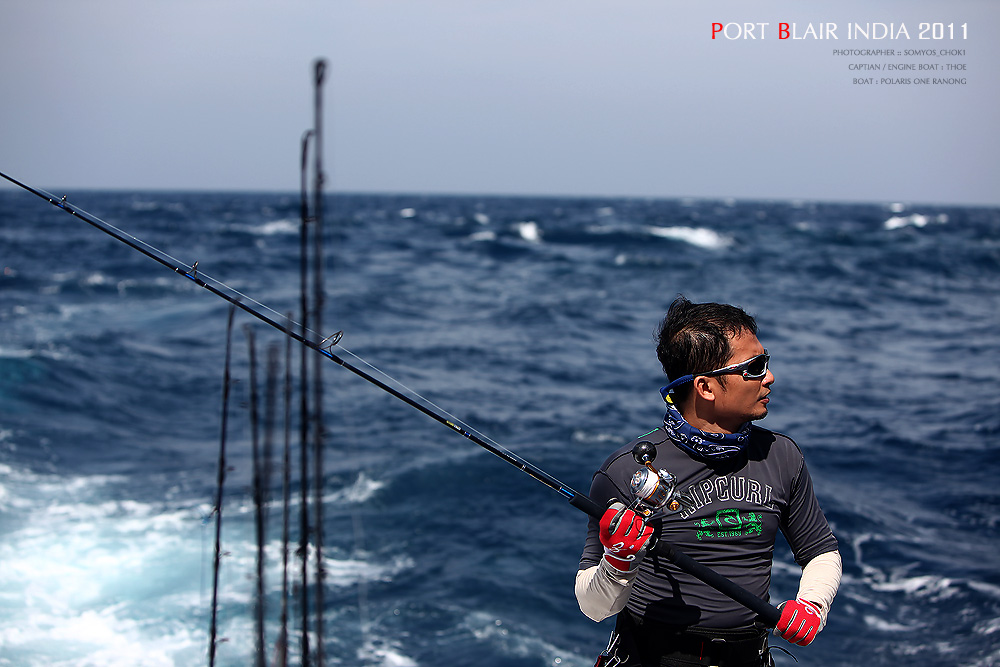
767, 612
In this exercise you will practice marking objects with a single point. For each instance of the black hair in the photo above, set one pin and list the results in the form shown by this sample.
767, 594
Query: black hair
694, 338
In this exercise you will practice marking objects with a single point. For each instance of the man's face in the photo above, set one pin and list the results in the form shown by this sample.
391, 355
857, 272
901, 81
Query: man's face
742, 400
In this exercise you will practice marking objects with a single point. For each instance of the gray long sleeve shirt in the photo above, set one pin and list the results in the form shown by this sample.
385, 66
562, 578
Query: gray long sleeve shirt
731, 513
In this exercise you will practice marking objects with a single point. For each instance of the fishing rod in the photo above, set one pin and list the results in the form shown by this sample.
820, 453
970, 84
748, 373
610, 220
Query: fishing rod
767, 612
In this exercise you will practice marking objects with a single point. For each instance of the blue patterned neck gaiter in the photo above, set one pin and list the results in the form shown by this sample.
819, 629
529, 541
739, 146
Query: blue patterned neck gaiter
703, 444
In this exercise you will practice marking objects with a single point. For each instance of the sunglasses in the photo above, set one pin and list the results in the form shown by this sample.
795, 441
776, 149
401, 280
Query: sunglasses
751, 369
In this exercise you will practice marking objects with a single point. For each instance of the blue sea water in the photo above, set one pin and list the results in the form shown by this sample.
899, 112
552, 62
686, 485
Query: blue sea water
529, 319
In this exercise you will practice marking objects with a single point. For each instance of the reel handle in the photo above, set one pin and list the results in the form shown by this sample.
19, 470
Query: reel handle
644, 453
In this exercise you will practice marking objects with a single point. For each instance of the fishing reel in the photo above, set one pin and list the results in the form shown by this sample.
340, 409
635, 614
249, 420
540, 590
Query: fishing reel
654, 490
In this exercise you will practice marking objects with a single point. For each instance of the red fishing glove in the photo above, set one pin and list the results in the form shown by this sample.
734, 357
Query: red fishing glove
624, 537
800, 621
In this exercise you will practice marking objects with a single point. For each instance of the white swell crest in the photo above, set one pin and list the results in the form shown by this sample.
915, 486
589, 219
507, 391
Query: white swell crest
696, 236
530, 231
914, 220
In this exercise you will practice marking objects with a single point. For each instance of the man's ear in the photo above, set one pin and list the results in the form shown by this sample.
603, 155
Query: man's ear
704, 388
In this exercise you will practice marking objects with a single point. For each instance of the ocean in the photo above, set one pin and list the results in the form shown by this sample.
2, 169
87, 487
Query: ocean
530, 319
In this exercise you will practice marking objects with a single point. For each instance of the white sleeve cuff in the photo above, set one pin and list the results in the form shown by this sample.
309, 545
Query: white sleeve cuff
602, 591
820, 581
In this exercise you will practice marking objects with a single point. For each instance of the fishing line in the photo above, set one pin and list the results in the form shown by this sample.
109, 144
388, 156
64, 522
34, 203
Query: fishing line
766, 611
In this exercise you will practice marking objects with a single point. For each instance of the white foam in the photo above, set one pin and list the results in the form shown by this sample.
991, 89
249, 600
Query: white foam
881, 625
363, 489
11, 353
92, 583
97, 638
919, 586
914, 220
987, 627
85, 580
270, 228
348, 572
696, 236
580, 435
521, 642
986, 589
285, 226
529, 231
95, 279
379, 652
991, 659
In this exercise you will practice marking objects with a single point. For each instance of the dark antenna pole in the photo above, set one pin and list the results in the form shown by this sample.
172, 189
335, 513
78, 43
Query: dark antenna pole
218, 493
317, 376
267, 468
304, 404
281, 658
258, 501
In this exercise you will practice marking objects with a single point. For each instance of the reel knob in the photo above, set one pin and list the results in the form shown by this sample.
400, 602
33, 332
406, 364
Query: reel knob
644, 453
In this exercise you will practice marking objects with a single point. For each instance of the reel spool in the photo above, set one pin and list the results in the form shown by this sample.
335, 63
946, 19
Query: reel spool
653, 489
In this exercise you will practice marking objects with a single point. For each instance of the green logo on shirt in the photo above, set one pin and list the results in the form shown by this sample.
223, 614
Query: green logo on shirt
730, 523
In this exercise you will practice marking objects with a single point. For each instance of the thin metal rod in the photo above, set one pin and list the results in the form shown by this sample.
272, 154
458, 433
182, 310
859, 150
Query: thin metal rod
303, 552
221, 479
258, 500
281, 657
318, 431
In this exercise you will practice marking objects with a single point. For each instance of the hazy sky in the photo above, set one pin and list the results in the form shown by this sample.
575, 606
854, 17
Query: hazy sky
579, 97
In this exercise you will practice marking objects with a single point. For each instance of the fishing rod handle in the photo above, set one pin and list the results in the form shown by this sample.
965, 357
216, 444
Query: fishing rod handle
767, 612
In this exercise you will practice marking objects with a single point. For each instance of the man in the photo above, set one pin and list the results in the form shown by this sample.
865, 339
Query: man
737, 485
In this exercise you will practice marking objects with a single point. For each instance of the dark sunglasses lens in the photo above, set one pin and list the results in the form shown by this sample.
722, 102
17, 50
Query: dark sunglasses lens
757, 366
